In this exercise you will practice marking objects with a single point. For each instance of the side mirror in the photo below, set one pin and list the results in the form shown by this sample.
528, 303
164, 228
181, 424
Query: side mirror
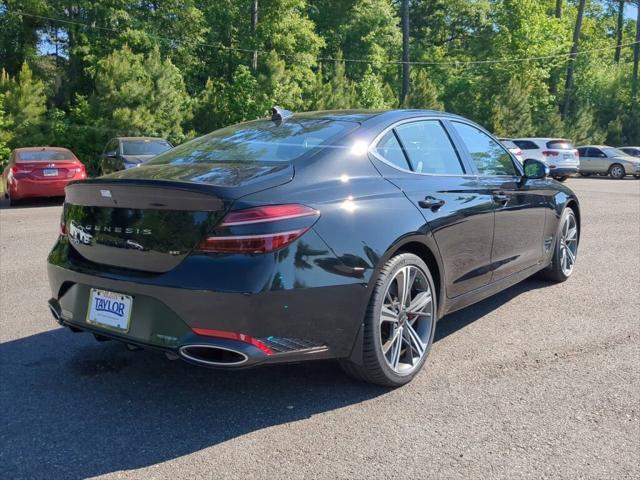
535, 169
112, 154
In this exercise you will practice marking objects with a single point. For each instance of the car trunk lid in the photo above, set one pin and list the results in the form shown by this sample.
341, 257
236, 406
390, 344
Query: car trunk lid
151, 224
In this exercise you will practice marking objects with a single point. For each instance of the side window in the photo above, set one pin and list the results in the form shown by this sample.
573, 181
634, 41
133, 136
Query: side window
489, 157
429, 148
596, 152
389, 149
112, 145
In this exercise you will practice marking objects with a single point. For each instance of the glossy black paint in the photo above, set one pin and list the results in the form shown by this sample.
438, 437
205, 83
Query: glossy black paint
489, 233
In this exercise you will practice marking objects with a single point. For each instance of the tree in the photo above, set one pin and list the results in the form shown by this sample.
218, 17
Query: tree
25, 104
405, 50
424, 93
512, 111
5, 134
619, 27
370, 90
138, 95
574, 53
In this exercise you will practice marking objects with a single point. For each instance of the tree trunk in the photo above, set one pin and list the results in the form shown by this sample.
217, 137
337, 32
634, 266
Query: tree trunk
405, 51
636, 54
568, 87
558, 8
254, 27
616, 56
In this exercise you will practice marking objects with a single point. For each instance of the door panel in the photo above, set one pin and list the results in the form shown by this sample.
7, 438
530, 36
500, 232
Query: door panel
519, 205
459, 216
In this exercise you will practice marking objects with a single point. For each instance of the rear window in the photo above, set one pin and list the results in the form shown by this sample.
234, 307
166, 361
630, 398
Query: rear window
560, 145
46, 156
258, 141
144, 147
526, 144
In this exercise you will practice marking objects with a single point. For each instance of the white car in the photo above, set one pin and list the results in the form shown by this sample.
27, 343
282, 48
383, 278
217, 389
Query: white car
513, 148
557, 153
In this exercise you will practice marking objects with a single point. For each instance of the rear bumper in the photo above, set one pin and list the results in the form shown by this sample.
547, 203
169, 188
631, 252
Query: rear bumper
28, 188
298, 315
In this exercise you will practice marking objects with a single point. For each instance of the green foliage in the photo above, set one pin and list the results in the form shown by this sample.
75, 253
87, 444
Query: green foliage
423, 93
370, 91
512, 111
25, 106
178, 68
5, 134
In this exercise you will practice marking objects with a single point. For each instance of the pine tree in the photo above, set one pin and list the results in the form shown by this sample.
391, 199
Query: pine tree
140, 95
423, 93
370, 90
581, 127
511, 111
5, 134
339, 91
25, 104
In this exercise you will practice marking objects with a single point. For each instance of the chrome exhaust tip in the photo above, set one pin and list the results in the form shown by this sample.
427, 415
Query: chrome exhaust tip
213, 355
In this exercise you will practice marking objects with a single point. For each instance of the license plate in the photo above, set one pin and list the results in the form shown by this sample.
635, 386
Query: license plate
109, 309
50, 172
568, 156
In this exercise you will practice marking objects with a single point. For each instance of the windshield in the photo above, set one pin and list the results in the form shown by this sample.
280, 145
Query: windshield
144, 147
614, 152
47, 156
560, 144
258, 141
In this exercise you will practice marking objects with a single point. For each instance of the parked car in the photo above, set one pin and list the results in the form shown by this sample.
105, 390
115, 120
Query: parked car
557, 153
122, 153
513, 148
633, 151
40, 172
604, 160
309, 236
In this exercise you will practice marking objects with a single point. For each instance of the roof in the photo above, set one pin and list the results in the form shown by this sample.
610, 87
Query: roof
141, 138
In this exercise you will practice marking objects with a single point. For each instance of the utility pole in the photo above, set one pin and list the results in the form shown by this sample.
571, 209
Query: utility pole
568, 87
254, 27
405, 50
636, 55
620, 26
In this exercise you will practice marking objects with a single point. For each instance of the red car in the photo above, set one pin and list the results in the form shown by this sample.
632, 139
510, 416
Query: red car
40, 172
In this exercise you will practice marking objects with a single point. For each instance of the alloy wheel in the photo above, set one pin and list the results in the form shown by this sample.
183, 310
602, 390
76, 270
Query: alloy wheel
406, 320
568, 244
617, 171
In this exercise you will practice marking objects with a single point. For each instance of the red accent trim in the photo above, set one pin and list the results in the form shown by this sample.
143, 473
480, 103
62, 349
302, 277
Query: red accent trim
267, 213
206, 332
549, 153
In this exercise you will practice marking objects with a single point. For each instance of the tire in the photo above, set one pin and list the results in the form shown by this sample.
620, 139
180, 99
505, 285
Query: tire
396, 343
585, 174
565, 248
561, 179
636, 176
617, 171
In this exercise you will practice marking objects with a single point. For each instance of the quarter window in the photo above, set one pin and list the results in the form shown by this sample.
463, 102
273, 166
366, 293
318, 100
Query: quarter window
429, 148
488, 155
389, 149
526, 144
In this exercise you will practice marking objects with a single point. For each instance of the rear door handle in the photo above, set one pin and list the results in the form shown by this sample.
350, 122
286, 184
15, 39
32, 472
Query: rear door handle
500, 197
431, 202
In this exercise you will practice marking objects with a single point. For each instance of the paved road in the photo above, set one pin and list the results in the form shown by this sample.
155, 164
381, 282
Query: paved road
539, 382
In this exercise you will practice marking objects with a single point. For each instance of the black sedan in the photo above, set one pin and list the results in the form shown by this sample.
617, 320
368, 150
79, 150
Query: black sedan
342, 235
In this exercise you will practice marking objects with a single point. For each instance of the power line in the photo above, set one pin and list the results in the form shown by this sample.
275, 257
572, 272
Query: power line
568, 56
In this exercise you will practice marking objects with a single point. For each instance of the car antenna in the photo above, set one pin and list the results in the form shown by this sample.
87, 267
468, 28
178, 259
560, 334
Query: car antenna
279, 115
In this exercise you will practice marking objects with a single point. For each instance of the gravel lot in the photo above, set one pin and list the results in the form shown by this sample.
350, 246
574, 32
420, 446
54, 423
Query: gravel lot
540, 381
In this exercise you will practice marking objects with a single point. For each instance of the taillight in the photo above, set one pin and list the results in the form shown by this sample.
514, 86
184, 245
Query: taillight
18, 173
576, 153
550, 153
260, 229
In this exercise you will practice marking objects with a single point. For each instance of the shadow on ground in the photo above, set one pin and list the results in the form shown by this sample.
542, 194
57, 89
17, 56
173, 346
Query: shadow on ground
31, 203
74, 408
